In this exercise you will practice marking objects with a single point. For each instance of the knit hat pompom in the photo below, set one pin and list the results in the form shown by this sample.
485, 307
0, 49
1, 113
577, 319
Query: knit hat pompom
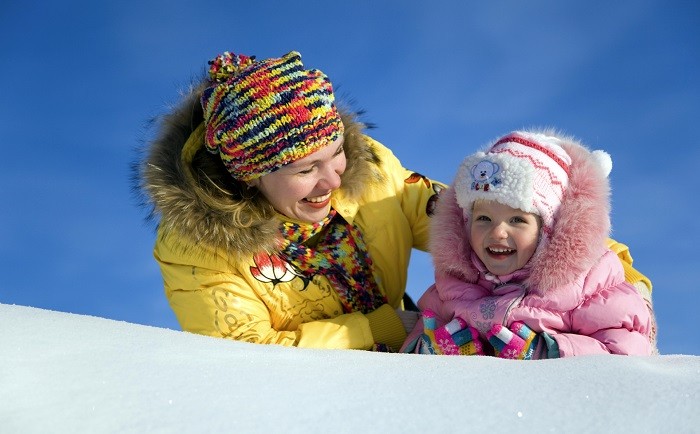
262, 115
524, 170
227, 65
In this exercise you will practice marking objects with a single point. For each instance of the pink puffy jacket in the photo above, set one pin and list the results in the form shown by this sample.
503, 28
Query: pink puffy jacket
573, 288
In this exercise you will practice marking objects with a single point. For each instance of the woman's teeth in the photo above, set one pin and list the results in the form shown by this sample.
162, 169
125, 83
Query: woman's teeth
318, 199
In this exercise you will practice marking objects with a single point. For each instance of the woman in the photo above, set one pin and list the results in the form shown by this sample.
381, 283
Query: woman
280, 221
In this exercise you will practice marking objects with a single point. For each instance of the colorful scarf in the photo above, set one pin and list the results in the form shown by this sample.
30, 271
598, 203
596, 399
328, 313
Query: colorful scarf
340, 255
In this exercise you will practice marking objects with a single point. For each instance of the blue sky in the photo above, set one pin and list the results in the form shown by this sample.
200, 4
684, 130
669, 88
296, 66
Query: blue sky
81, 80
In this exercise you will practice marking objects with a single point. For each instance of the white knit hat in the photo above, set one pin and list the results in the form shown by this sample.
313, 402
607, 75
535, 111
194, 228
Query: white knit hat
524, 170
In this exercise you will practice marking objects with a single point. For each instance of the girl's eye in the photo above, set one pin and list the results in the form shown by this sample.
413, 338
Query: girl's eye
305, 171
340, 150
482, 218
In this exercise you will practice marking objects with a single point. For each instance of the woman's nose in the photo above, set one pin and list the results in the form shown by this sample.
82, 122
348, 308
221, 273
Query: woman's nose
331, 178
335, 168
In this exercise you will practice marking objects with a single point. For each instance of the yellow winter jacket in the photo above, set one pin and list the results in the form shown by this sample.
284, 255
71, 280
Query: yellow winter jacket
213, 294
220, 273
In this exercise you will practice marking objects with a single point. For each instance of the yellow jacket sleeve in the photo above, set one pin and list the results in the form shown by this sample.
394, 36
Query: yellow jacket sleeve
416, 193
631, 274
640, 282
354, 330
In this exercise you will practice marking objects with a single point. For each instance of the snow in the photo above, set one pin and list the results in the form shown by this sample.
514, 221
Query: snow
73, 373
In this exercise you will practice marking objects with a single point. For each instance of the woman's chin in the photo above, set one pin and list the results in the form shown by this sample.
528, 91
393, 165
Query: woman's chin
311, 212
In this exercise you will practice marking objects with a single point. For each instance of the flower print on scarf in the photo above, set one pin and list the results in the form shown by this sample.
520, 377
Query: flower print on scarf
271, 268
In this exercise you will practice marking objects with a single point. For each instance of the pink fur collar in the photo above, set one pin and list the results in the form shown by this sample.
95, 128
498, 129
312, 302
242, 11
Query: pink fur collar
581, 226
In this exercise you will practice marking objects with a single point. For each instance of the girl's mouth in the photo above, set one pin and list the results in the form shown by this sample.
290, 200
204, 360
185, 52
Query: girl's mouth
500, 251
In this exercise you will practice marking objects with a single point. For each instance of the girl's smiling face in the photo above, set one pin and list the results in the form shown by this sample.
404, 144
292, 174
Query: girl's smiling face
302, 190
504, 238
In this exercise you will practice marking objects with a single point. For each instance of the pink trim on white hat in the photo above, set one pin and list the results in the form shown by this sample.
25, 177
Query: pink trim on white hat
531, 144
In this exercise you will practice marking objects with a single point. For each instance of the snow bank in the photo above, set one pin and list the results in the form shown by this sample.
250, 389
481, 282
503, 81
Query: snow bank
70, 373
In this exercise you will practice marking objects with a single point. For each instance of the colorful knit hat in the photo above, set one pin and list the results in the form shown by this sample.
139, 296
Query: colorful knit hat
261, 115
524, 170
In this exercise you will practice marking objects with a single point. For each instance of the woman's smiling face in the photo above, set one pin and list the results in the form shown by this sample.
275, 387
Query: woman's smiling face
302, 190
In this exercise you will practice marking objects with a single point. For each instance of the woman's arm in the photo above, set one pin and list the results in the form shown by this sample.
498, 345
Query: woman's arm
211, 300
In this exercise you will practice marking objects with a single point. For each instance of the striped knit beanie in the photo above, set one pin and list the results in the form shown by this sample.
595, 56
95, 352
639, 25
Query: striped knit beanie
261, 115
524, 170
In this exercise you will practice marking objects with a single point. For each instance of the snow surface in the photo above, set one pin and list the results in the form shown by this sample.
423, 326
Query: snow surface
67, 373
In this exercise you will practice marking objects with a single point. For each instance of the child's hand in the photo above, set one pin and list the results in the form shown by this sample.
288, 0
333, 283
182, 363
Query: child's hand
521, 343
454, 338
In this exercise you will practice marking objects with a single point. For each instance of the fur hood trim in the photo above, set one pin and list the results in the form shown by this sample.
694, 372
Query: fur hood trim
192, 195
581, 226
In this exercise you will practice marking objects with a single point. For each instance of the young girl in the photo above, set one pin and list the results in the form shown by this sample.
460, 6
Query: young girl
522, 267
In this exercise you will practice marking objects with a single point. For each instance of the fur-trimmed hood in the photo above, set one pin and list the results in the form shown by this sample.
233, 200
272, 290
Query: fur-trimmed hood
195, 197
581, 226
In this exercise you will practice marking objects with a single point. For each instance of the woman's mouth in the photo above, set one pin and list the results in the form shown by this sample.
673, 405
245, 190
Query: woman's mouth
318, 201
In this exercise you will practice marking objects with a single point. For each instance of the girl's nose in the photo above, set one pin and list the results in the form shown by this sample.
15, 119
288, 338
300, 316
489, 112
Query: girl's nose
499, 231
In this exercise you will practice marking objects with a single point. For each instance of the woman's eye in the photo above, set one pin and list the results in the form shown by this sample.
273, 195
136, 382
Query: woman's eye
306, 171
